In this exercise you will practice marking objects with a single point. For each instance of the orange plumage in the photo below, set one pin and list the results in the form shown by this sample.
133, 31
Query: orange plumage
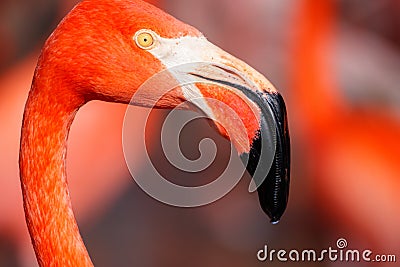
352, 155
94, 55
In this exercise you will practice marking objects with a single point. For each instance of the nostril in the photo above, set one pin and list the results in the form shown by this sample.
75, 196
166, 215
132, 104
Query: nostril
221, 73
235, 74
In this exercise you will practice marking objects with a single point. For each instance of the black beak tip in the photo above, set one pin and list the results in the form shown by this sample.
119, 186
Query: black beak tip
273, 213
273, 191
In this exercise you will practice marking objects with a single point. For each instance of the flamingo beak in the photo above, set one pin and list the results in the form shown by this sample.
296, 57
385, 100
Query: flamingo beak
267, 156
273, 191
270, 172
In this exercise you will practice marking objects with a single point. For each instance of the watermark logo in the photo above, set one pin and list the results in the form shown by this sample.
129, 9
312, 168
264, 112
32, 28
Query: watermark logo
341, 243
339, 253
155, 91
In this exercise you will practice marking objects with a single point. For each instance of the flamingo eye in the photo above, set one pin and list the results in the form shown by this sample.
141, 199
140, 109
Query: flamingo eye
144, 39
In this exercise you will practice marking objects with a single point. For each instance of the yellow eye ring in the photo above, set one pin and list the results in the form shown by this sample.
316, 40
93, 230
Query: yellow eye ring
144, 39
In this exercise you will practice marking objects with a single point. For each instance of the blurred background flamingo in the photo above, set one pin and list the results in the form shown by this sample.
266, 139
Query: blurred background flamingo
339, 62
352, 147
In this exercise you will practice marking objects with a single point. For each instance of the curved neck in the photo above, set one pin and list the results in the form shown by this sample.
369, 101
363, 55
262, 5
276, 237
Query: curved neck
51, 223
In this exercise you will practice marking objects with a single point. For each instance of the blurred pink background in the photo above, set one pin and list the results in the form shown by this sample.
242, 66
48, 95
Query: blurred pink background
336, 62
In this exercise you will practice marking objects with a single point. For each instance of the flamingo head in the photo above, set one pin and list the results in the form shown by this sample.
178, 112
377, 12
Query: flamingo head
107, 50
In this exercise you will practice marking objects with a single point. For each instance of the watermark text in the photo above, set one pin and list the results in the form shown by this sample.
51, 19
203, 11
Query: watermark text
338, 253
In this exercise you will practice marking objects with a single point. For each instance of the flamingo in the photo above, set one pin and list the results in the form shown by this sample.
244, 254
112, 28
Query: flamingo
353, 154
105, 50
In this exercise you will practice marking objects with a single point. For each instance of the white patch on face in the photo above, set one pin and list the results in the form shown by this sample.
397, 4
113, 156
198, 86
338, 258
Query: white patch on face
173, 52
180, 51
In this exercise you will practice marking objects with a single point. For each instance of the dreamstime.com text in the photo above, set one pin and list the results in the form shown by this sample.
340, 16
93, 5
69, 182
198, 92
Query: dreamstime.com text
339, 253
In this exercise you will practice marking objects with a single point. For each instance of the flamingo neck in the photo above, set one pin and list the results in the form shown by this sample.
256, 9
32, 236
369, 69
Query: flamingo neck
47, 204
315, 92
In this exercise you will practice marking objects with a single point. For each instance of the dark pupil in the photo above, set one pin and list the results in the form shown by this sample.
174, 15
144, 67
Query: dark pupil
145, 40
